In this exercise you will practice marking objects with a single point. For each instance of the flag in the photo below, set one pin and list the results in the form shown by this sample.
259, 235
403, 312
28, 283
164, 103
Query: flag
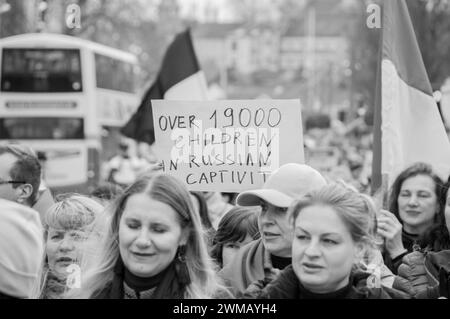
179, 78
407, 124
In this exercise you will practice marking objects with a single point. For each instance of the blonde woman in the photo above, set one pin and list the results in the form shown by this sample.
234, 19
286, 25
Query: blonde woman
332, 233
154, 248
71, 226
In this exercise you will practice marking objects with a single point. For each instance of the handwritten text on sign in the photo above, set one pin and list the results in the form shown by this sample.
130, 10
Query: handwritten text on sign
227, 146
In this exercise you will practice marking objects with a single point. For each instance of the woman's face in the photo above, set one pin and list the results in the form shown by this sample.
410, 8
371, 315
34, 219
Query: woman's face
417, 203
230, 249
323, 251
63, 248
276, 230
447, 211
149, 235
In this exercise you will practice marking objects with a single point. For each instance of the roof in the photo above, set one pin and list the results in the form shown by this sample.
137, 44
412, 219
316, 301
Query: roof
43, 40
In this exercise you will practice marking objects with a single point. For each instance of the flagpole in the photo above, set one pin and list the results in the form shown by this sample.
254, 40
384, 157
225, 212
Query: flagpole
377, 155
223, 74
311, 43
380, 181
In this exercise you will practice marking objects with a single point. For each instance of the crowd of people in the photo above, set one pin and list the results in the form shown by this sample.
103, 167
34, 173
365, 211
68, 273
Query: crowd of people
302, 235
342, 152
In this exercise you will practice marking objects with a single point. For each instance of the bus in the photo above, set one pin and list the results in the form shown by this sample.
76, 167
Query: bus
67, 98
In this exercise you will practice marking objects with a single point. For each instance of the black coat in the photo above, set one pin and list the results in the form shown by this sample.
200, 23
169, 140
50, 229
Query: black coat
287, 286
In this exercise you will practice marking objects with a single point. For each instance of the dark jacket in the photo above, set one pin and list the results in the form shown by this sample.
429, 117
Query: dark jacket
409, 242
421, 270
412, 270
55, 287
287, 286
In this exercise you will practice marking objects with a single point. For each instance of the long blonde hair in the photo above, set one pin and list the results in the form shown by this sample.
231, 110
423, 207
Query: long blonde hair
98, 273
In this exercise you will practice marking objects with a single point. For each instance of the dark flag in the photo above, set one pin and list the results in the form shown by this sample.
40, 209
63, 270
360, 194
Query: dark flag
179, 78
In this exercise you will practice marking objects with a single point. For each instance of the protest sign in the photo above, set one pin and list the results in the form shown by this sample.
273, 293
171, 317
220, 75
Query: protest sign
227, 145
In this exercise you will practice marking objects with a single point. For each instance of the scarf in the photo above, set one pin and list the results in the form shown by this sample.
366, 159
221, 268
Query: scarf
55, 287
168, 285
139, 284
287, 286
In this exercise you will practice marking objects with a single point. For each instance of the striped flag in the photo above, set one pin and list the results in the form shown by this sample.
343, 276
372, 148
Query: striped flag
179, 78
407, 124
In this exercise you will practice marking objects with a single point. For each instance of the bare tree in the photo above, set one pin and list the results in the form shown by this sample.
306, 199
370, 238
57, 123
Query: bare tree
20, 18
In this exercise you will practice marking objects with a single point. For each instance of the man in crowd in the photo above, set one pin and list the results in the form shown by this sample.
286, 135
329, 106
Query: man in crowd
21, 251
21, 178
265, 257
20, 175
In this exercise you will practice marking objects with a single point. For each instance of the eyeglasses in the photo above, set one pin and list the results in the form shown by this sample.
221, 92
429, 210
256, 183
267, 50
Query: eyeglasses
11, 182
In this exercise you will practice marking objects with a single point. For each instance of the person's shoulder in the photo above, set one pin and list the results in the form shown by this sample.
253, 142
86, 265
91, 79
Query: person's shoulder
283, 286
380, 293
433, 262
412, 265
365, 288
439, 257
414, 257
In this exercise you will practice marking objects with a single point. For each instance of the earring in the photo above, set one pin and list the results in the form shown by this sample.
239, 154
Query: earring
181, 267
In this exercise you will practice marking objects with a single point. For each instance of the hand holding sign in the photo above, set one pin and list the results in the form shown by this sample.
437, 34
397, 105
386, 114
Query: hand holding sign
391, 230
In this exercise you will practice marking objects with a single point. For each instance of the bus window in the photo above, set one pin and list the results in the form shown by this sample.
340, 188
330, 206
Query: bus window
114, 74
41, 128
41, 70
